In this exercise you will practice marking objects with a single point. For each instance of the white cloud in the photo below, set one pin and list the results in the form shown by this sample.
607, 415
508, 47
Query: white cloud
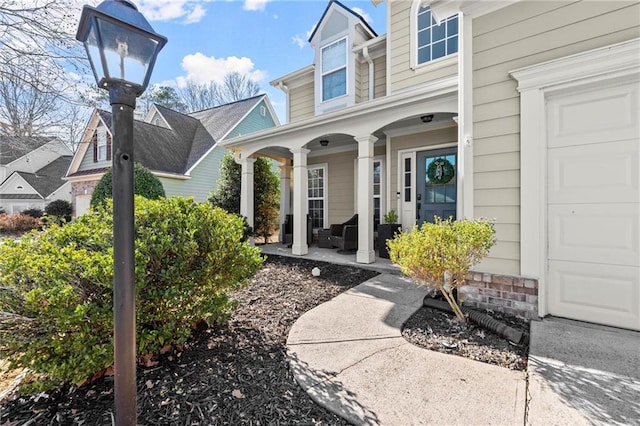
203, 69
298, 40
165, 10
362, 13
255, 5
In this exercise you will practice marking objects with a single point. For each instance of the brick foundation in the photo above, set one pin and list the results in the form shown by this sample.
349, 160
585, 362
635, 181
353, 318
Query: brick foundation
503, 293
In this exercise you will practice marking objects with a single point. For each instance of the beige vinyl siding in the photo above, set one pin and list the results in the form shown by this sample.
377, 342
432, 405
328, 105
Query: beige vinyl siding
361, 73
516, 36
301, 102
402, 75
341, 184
447, 135
204, 178
379, 79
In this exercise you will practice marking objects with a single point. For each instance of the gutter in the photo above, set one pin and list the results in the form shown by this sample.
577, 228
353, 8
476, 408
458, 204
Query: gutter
365, 53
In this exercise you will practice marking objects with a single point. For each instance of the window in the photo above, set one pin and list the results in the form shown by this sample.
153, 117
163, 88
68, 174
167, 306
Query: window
334, 70
102, 145
407, 179
377, 191
435, 41
317, 183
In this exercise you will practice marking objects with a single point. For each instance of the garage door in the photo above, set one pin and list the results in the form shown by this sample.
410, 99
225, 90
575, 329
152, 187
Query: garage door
593, 191
82, 204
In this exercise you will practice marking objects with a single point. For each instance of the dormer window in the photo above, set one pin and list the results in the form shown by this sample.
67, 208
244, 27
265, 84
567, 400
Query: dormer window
334, 70
435, 41
101, 142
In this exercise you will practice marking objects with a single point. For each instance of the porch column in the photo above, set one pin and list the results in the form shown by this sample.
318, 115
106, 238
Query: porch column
285, 193
246, 189
300, 182
365, 252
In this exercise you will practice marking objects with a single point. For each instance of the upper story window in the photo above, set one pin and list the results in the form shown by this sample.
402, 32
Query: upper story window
102, 145
334, 70
435, 40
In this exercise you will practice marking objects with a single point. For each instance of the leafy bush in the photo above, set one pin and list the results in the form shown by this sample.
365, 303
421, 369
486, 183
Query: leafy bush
56, 286
60, 209
440, 254
391, 217
34, 212
18, 223
145, 184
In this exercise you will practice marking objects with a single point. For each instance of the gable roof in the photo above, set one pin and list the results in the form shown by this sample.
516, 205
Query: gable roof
14, 147
357, 15
49, 178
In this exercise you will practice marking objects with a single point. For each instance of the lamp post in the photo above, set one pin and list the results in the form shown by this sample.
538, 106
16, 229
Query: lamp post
122, 49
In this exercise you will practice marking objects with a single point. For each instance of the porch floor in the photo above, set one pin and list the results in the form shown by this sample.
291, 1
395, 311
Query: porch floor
332, 256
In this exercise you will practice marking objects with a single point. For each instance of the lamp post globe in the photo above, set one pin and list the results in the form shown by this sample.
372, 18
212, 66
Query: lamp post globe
122, 49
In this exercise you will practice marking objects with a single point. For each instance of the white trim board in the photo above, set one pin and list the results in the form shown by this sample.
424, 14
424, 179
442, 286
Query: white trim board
618, 62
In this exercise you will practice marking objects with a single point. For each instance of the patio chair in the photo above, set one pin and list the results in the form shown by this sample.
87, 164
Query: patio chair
288, 230
344, 235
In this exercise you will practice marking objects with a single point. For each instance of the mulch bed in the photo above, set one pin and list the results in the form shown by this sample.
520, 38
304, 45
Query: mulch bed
440, 331
227, 375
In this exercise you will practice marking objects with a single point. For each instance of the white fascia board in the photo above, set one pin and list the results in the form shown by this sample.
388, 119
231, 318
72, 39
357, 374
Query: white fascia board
171, 175
377, 46
92, 125
296, 78
434, 89
84, 178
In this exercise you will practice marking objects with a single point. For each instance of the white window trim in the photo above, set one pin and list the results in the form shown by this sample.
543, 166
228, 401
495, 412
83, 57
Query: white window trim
383, 184
346, 69
413, 45
325, 191
102, 142
535, 83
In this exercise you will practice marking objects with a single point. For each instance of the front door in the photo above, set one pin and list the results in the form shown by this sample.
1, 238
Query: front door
436, 184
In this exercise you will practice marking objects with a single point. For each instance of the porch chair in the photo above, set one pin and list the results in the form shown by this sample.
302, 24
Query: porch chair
344, 235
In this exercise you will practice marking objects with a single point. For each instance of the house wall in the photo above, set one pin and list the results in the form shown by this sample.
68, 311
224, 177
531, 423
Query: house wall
87, 161
340, 171
253, 122
301, 102
81, 188
402, 75
516, 36
203, 180
447, 135
31, 200
379, 79
36, 159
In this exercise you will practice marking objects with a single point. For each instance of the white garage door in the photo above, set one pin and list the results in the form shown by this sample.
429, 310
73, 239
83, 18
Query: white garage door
82, 204
593, 191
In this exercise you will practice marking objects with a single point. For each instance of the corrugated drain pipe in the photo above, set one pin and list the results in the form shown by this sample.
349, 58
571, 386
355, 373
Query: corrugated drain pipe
516, 336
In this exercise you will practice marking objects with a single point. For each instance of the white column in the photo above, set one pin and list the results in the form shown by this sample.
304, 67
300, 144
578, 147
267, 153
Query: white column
300, 182
365, 252
285, 193
246, 189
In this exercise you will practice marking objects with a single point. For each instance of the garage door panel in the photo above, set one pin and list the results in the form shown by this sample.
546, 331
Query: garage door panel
591, 293
605, 172
596, 233
594, 116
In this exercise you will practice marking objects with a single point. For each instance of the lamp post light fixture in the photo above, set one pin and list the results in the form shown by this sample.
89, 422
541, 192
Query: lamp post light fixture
122, 49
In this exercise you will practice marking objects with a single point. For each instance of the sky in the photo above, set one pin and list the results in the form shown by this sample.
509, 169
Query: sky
264, 39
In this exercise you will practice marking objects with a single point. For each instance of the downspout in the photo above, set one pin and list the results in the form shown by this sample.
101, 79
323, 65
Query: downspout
285, 89
365, 53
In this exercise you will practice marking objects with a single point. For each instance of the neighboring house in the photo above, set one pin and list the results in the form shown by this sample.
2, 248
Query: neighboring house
32, 171
181, 149
534, 104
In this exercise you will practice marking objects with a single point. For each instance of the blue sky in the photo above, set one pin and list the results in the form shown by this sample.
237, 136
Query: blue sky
265, 39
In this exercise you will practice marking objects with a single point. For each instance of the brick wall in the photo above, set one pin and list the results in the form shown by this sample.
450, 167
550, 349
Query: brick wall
513, 295
81, 188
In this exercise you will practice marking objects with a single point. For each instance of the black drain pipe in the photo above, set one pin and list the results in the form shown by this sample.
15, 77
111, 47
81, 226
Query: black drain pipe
516, 336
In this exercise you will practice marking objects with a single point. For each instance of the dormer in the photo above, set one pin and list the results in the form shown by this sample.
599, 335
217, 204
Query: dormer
335, 71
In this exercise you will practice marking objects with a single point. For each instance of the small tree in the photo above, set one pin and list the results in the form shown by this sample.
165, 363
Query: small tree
145, 184
440, 254
60, 209
266, 193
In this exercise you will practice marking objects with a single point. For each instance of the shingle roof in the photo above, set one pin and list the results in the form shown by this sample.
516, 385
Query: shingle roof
49, 178
14, 147
177, 148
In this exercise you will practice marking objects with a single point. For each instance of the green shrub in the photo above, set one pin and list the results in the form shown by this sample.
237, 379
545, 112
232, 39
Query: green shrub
60, 210
33, 212
18, 223
440, 254
56, 286
145, 184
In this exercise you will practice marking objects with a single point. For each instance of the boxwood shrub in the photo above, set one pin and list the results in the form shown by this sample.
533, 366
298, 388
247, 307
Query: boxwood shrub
56, 286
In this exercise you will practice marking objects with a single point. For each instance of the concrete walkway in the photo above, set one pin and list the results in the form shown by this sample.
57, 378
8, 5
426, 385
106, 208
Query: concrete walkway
350, 357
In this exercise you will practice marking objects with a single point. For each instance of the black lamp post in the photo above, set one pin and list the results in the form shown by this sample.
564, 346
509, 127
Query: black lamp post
122, 49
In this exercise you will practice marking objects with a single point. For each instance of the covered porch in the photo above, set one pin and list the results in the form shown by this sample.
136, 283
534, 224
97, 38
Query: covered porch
348, 162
